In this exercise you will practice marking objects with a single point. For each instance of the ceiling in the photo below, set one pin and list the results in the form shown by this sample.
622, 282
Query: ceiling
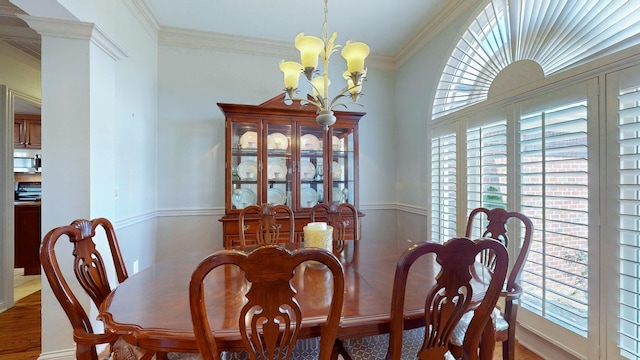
387, 27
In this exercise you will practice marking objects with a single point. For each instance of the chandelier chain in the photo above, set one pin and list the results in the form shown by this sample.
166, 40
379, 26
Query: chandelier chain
325, 27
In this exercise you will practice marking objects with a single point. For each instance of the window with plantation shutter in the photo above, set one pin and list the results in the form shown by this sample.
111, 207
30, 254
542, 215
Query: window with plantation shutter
556, 34
487, 166
628, 197
554, 194
569, 164
443, 187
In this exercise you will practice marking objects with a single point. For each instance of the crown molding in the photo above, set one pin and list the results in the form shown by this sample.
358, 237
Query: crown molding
59, 28
451, 10
141, 11
104, 42
75, 30
197, 39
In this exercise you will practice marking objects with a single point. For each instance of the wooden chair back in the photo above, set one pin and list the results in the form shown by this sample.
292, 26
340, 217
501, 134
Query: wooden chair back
341, 216
90, 271
450, 297
494, 222
270, 320
268, 221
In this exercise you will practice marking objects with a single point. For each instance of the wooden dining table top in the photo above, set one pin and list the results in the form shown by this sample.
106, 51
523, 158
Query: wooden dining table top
151, 308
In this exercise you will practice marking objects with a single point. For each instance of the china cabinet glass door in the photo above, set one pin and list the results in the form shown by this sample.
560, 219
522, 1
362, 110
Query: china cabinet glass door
245, 170
279, 164
342, 169
311, 167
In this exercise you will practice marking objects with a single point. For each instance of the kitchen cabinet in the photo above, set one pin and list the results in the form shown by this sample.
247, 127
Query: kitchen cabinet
277, 153
27, 237
27, 131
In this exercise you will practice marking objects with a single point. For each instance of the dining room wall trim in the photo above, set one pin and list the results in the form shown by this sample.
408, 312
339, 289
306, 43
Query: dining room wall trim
215, 211
219, 211
133, 220
412, 209
65, 354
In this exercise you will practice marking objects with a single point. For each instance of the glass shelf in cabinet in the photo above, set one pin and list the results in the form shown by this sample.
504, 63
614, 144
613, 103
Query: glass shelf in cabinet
311, 152
244, 152
342, 153
245, 181
279, 152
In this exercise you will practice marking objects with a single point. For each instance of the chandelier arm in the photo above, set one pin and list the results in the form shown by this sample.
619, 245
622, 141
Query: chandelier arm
342, 93
321, 104
343, 104
306, 102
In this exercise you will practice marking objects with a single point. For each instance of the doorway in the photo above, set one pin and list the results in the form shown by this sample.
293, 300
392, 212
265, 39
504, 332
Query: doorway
12, 102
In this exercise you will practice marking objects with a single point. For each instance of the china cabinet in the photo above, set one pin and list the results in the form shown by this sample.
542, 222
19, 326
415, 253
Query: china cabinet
277, 153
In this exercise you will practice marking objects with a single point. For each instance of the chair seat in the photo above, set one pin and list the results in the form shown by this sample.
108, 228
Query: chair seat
184, 356
375, 347
305, 349
499, 323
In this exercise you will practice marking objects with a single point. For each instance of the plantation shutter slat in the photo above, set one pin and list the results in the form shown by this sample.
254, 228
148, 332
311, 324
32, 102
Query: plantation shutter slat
487, 166
629, 223
443, 187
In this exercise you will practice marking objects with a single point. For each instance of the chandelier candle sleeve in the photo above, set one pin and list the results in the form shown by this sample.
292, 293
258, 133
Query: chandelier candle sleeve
291, 70
355, 53
310, 48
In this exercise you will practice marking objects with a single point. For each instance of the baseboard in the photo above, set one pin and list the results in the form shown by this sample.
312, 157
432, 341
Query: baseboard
542, 347
67, 354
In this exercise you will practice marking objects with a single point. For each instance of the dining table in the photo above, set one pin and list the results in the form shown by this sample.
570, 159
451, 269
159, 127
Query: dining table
151, 308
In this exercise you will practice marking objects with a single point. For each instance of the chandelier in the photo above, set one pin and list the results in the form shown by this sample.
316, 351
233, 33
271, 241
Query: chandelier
311, 48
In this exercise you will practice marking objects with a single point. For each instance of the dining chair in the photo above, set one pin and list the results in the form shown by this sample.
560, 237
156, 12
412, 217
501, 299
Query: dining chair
447, 301
493, 224
342, 216
91, 274
269, 223
270, 320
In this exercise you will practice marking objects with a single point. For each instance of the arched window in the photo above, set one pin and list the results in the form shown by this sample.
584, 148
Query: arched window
564, 150
555, 34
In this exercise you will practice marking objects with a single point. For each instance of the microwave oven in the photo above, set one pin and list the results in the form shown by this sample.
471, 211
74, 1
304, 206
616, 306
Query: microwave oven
27, 162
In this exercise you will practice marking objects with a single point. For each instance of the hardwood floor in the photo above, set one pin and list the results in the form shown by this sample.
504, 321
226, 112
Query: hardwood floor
21, 326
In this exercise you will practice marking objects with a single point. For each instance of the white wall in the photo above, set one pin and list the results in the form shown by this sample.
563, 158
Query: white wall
99, 133
191, 136
19, 76
415, 83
